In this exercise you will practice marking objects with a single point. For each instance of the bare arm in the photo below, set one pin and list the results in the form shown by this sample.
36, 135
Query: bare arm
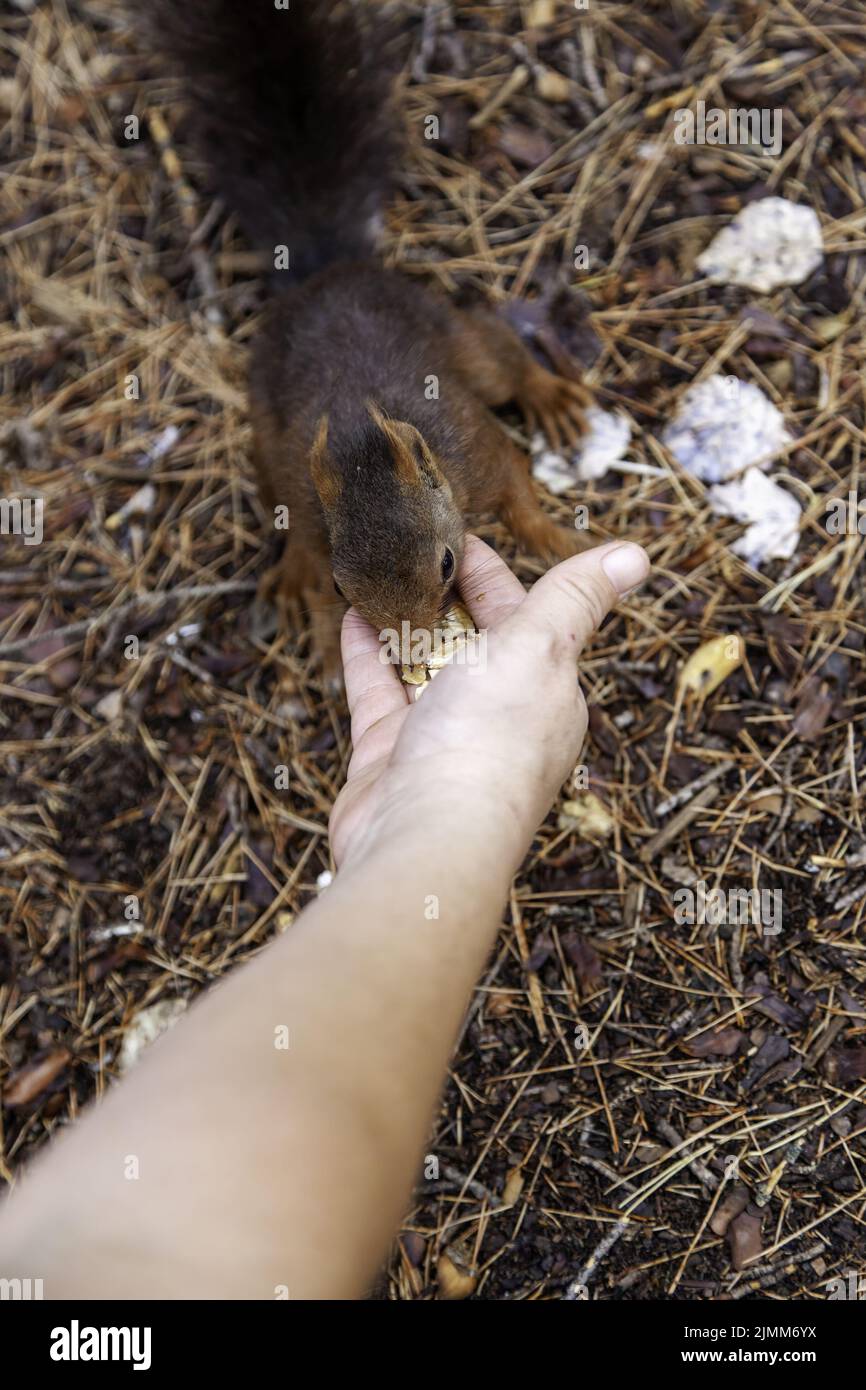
261, 1166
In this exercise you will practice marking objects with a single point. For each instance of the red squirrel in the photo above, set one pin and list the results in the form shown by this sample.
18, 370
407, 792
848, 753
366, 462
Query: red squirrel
292, 117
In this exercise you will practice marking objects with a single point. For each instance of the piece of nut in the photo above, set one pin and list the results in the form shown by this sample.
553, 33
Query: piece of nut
453, 630
588, 815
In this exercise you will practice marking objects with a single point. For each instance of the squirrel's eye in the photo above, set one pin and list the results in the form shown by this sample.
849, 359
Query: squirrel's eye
447, 565
338, 589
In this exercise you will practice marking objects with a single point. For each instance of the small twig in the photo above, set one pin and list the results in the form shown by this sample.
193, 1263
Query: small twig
87, 625
576, 1286
680, 821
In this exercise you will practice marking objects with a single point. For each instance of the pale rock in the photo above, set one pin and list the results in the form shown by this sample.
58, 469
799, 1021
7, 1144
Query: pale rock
770, 243
605, 443
110, 706
603, 446
773, 514
724, 426
552, 470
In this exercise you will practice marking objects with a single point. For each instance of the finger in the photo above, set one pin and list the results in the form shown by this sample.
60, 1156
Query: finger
373, 686
580, 393
551, 428
575, 596
488, 588
377, 743
572, 426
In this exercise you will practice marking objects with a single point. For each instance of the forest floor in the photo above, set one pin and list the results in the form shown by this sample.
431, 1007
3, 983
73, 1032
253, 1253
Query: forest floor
640, 1106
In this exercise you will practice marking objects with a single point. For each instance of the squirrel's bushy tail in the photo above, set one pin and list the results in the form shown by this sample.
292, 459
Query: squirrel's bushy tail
291, 116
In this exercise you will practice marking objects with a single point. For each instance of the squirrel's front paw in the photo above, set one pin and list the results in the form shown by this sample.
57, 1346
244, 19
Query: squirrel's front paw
555, 405
539, 534
560, 543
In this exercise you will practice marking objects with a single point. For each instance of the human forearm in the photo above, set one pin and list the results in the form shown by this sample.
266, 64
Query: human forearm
258, 1167
311, 1168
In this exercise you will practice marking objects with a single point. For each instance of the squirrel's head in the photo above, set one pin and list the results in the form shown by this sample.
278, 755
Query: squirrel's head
395, 530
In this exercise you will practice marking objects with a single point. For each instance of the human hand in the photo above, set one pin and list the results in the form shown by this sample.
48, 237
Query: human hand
487, 749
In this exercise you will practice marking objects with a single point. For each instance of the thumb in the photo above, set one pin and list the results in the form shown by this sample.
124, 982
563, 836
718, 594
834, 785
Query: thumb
575, 596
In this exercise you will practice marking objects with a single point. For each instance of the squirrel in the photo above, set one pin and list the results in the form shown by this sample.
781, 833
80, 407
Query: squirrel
293, 120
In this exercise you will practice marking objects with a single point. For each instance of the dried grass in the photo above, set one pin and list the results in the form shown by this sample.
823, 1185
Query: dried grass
154, 777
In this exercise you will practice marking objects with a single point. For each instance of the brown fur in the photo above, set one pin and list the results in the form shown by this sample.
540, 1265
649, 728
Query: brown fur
403, 472
380, 472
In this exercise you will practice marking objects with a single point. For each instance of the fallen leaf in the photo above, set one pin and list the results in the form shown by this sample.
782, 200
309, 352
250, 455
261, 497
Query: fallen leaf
413, 1245
773, 1006
31, 1080
829, 328
773, 1049
812, 712
583, 957
735, 1200
542, 949
711, 664
722, 1043
513, 1186
112, 960
551, 85
501, 1004
526, 147
541, 13
454, 1282
744, 1237
845, 1066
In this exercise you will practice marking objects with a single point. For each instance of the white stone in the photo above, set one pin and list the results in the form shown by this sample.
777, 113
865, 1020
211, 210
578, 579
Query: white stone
770, 243
774, 515
607, 439
723, 426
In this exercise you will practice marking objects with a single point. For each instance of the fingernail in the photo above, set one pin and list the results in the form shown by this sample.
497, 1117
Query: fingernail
625, 566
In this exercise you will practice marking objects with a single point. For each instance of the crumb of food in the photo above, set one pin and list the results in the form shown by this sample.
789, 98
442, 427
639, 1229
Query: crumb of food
452, 632
588, 815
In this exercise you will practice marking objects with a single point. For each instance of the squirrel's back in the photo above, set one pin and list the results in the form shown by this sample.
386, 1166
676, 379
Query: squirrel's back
291, 116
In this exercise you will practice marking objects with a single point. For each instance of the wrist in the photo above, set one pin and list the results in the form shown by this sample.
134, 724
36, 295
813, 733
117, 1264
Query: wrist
447, 822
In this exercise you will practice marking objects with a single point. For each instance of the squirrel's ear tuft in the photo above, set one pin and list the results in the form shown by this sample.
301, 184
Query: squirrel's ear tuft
326, 479
413, 461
